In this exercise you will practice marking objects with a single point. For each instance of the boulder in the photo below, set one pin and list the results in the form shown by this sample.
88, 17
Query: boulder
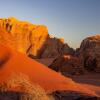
55, 47
89, 53
67, 64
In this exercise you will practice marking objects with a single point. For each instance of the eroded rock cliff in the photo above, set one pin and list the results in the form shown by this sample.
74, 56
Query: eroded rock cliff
55, 47
30, 39
86, 58
89, 53
25, 37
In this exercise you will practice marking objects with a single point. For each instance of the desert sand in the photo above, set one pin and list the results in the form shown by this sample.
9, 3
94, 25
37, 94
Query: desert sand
15, 62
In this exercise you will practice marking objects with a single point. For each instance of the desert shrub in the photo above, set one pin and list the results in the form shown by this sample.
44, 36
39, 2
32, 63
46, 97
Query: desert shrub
25, 89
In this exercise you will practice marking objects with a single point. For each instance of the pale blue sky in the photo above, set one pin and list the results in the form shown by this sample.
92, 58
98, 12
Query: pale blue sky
72, 20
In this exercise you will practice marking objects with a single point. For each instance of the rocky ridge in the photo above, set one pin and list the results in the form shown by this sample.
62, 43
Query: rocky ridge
31, 39
35, 41
86, 58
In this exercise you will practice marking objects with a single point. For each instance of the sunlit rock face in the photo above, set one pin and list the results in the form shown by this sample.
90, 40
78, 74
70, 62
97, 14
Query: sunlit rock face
30, 39
23, 36
89, 53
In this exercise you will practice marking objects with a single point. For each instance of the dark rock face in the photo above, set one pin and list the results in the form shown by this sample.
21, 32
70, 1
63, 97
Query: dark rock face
66, 95
89, 53
55, 47
87, 57
67, 64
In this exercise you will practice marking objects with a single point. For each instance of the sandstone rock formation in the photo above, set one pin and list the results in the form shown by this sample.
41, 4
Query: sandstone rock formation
87, 57
67, 64
23, 36
30, 39
89, 53
55, 47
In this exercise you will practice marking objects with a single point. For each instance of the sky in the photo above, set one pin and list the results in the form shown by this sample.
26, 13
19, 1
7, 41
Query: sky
72, 20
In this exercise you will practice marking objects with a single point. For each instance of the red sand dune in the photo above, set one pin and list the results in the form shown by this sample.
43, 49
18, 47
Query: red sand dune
14, 62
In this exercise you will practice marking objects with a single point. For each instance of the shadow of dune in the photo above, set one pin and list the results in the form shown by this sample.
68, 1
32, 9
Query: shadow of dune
5, 55
91, 78
4, 60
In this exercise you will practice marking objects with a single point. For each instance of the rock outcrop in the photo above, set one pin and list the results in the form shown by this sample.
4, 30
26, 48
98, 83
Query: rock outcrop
67, 64
23, 36
30, 39
89, 53
55, 47
86, 58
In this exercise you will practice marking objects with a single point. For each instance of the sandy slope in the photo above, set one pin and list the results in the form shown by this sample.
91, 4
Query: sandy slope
14, 62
